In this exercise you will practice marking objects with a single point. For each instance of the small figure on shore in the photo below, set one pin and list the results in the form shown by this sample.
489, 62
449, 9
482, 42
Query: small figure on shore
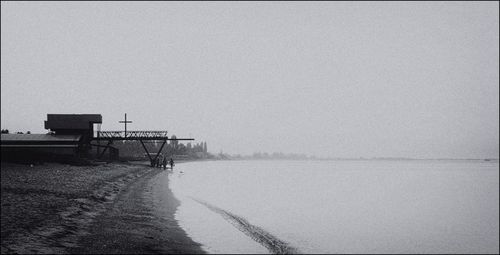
158, 162
164, 163
171, 164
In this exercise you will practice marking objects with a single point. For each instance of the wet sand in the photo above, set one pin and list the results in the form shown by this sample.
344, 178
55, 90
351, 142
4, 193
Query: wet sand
56, 208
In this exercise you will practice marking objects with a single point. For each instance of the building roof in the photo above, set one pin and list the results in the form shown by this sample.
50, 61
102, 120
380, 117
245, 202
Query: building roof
71, 121
22, 138
39, 141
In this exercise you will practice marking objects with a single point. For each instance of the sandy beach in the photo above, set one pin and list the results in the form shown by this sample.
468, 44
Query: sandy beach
55, 208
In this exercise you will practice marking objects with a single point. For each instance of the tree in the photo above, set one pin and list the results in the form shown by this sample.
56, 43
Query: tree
5, 131
174, 142
182, 150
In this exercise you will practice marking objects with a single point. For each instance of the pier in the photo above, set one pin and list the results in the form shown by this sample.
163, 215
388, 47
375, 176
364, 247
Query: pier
141, 136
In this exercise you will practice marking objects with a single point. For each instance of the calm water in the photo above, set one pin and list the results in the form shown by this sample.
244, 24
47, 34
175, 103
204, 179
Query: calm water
340, 206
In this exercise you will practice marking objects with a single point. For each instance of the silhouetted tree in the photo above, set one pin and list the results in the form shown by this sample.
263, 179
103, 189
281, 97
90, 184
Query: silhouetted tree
174, 143
182, 149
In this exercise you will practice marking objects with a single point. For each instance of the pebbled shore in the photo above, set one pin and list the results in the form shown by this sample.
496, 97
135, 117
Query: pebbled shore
56, 208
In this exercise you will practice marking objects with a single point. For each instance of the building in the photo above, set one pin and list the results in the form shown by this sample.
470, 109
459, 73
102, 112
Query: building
74, 124
69, 136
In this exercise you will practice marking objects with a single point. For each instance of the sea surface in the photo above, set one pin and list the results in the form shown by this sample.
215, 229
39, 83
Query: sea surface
343, 206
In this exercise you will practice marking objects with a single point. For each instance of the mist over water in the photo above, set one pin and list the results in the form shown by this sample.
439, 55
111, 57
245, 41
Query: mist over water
342, 206
331, 79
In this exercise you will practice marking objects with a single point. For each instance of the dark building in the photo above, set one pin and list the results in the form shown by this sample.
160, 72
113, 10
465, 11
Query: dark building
39, 147
74, 124
70, 136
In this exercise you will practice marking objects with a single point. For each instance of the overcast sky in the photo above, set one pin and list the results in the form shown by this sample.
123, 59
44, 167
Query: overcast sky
340, 79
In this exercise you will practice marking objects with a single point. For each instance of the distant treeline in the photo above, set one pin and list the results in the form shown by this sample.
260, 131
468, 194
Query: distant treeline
274, 155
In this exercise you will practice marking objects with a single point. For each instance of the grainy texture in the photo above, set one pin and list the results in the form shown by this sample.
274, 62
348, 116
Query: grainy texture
56, 208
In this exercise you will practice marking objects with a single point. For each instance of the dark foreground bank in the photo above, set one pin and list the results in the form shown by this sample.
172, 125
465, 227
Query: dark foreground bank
56, 208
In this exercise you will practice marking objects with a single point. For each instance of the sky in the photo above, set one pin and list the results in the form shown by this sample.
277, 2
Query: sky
330, 79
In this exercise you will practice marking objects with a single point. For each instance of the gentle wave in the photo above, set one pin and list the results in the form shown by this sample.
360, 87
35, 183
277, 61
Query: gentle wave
271, 242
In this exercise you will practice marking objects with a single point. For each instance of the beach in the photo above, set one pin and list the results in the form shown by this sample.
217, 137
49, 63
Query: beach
108, 208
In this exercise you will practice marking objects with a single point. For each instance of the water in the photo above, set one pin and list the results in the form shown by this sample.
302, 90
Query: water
340, 206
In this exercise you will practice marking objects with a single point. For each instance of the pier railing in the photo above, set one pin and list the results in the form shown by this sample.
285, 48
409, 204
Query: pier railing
131, 135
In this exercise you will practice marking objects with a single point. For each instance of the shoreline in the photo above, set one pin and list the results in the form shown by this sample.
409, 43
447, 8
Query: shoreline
56, 208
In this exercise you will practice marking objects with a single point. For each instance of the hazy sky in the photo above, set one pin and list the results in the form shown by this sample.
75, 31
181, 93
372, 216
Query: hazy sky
341, 79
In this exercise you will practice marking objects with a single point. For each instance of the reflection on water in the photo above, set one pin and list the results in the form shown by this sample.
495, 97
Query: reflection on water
343, 206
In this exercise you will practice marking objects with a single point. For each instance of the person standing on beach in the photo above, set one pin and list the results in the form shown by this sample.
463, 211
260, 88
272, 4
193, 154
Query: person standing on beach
171, 164
164, 163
